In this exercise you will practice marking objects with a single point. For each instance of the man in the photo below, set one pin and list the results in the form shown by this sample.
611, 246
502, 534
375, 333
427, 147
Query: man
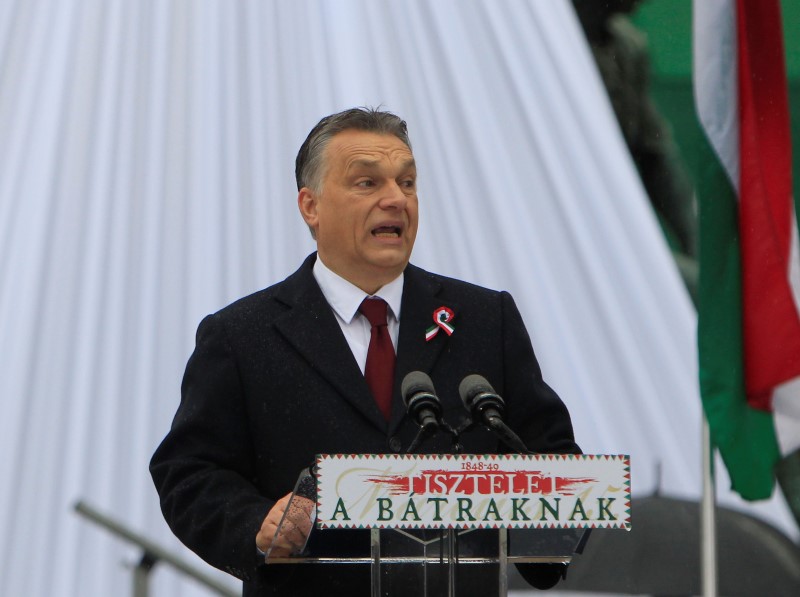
285, 374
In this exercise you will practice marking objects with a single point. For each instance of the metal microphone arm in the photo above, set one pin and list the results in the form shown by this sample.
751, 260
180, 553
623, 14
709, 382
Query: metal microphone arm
486, 407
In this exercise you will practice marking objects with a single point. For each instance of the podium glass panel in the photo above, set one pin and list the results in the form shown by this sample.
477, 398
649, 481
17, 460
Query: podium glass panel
438, 562
424, 562
298, 518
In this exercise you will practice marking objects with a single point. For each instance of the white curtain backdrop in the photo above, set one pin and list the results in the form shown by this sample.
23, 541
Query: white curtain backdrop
146, 179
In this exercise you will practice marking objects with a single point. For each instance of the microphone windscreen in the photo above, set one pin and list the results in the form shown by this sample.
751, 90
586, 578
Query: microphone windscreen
472, 386
416, 382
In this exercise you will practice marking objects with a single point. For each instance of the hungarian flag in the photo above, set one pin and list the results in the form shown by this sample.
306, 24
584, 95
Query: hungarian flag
749, 287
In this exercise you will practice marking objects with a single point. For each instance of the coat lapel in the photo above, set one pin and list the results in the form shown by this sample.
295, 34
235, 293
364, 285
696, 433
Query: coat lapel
414, 353
311, 328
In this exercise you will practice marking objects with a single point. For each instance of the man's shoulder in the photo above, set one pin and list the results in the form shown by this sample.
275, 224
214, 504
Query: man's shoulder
272, 299
452, 285
258, 300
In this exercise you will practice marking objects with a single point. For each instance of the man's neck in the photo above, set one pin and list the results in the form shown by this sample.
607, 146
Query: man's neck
345, 297
367, 283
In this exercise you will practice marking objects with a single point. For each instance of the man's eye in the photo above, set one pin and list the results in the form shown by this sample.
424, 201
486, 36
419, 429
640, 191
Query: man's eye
409, 184
365, 183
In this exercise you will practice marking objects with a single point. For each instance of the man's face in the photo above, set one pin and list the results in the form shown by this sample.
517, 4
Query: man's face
365, 217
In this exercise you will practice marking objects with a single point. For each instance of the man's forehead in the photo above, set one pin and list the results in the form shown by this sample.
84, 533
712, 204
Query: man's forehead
367, 148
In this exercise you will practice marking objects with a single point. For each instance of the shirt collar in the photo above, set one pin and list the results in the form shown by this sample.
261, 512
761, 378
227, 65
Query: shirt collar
345, 298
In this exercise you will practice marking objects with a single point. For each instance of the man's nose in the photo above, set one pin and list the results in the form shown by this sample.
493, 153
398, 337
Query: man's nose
394, 197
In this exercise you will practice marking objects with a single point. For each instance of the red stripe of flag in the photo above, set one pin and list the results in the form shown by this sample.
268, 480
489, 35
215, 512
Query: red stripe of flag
770, 317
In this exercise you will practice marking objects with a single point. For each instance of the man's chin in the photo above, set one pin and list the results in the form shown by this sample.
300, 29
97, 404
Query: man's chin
392, 259
389, 264
388, 255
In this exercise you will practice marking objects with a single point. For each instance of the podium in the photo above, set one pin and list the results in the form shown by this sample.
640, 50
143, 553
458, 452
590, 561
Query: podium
451, 525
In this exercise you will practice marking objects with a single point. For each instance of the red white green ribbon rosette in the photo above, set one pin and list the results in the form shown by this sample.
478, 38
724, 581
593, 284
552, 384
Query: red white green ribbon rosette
442, 316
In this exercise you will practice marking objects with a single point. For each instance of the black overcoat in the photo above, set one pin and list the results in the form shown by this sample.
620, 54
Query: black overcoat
272, 382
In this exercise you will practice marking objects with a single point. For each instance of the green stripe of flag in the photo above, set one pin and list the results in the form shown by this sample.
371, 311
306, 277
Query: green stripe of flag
745, 436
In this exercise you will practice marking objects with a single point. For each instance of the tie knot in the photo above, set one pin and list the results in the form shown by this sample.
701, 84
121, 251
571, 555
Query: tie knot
374, 309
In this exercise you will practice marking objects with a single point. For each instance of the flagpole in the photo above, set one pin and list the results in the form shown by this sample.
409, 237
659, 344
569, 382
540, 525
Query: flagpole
708, 523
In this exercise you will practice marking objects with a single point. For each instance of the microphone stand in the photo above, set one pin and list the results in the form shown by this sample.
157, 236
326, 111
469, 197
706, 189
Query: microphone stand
427, 431
511, 440
424, 432
448, 545
503, 432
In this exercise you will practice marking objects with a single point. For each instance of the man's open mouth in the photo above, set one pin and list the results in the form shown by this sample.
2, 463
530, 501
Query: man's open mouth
386, 231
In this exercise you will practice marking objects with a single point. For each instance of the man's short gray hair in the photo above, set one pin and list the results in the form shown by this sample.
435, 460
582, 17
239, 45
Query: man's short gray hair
310, 164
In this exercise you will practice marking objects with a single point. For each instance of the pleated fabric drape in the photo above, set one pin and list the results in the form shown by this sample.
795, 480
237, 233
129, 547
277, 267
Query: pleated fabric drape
146, 179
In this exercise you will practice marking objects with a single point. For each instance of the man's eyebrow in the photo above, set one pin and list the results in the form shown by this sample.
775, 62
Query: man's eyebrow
370, 164
409, 164
363, 163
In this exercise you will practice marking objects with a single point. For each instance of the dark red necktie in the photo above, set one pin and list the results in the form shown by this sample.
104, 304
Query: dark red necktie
379, 371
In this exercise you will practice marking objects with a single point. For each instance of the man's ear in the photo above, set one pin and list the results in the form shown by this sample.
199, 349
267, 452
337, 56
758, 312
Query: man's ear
307, 203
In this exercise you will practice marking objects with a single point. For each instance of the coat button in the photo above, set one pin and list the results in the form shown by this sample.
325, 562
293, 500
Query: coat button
395, 445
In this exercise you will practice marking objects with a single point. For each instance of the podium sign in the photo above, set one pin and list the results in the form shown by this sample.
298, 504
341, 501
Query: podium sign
457, 491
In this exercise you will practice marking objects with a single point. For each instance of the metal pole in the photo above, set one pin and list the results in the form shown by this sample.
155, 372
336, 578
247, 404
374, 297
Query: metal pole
375, 567
152, 553
503, 565
708, 530
141, 575
452, 562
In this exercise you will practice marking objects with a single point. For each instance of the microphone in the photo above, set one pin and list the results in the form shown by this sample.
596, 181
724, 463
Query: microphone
486, 407
480, 399
422, 404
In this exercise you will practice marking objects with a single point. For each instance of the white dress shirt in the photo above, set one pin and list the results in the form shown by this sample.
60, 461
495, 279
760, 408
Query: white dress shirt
345, 299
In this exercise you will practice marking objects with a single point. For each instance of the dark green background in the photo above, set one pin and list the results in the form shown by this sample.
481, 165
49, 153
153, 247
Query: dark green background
668, 25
